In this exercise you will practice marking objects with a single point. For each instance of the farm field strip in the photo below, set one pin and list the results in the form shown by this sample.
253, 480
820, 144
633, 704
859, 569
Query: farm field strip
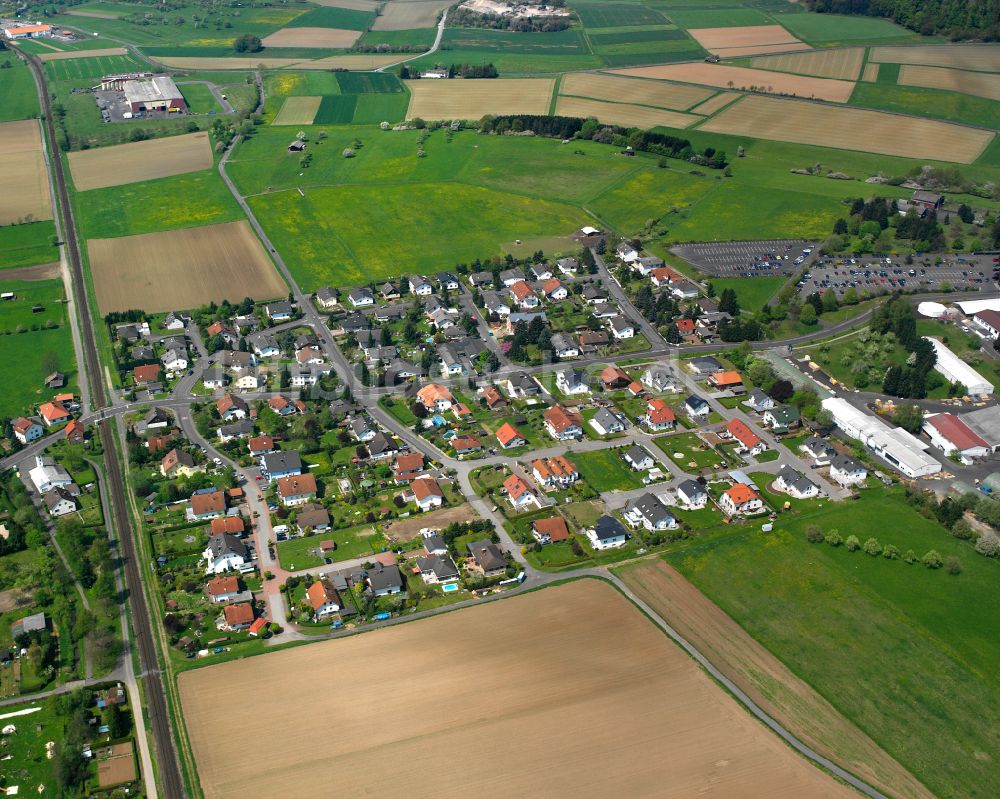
24, 180
842, 63
596, 663
870, 73
460, 99
639, 92
850, 129
768, 681
955, 80
981, 57
182, 268
354, 5
220, 63
362, 62
623, 114
713, 104
138, 161
721, 76
68, 54
332, 38
402, 15
298, 111
735, 41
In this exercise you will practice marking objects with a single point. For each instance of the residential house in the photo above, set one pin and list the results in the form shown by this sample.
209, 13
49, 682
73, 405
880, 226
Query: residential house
684, 289
389, 291
436, 569
741, 500
59, 501
361, 297
607, 533
606, 422
626, 252
305, 376
363, 428
572, 382
554, 290
605, 310
75, 432
236, 617
224, 552
260, 445
156, 419
541, 272
520, 493
488, 557
427, 493
685, 327
592, 339
621, 328
265, 345
407, 466
276, 465
554, 472
614, 378
659, 416
279, 311
989, 321
782, 418
662, 276
435, 397
493, 398
231, 407
228, 334
27, 430
323, 599
495, 305
818, 449
238, 429
326, 298
174, 360
312, 517
692, 494
384, 580
550, 531
206, 504
847, 471
420, 286
285, 406
381, 446
233, 525
749, 441
648, 512
705, 365
523, 296
47, 474
178, 463
223, 589
660, 377
465, 445
248, 382
521, 385
639, 458
647, 264
511, 276
594, 294
176, 321
696, 407
53, 413
296, 490
727, 381
568, 266
759, 401
563, 424
509, 436
564, 347
795, 484
238, 361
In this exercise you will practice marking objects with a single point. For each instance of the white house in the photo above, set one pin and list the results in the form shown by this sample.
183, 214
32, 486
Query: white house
692, 494
224, 552
427, 493
847, 471
572, 381
174, 361
795, 484
626, 252
621, 328
59, 501
639, 459
648, 512
435, 569
988, 320
323, 599
696, 407
564, 346
607, 533
27, 430
420, 286
660, 378
47, 474
740, 500
605, 422
361, 298
759, 401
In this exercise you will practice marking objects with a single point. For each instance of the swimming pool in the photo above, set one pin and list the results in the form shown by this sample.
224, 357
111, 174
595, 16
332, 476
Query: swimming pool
439, 420
449, 587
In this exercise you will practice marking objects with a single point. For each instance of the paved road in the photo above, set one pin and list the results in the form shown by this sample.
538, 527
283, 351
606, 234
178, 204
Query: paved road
434, 47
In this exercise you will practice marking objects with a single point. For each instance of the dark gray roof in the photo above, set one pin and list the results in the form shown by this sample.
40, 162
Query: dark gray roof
845, 464
487, 555
637, 454
381, 577
694, 401
381, 443
434, 542
608, 527
692, 488
243, 427
443, 567
651, 509
222, 544
281, 462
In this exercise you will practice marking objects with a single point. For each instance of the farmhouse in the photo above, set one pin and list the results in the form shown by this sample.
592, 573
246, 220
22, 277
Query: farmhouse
550, 531
158, 93
950, 434
607, 533
740, 500
562, 424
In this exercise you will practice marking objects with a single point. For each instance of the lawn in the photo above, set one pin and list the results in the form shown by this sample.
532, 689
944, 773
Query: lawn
82, 69
191, 200
693, 448
20, 93
606, 470
295, 553
906, 653
27, 245
331, 17
199, 98
751, 292
564, 42
612, 15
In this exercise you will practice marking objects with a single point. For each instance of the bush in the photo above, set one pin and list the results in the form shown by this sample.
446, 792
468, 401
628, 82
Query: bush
910, 556
890, 552
814, 535
988, 545
852, 543
873, 547
932, 560
954, 565
834, 539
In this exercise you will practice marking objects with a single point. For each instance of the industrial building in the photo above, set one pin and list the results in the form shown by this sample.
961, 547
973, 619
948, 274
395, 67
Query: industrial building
159, 93
950, 434
985, 422
27, 31
955, 370
903, 451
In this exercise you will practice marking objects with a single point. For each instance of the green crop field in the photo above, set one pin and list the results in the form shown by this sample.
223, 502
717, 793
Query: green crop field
659, 54
908, 654
636, 36
368, 83
20, 96
828, 29
512, 62
27, 245
719, 18
336, 110
85, 69
31, 354
191, 200
605, 470
373, 109
565, 42
612, 15
199, 98
930, 103
332, 17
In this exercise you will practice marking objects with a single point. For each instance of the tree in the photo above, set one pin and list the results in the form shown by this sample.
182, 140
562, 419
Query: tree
932, 560
953, 565
807, 315
728, 302
834, 539
965, 214
782, 391
850, 296
873, 547
830, 301
909, 417
891, 552
248, 43
814, 535
117, 721
852, 543
988, 544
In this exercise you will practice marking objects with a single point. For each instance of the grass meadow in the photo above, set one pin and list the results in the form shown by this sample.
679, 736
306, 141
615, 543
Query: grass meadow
20, 94
930, 103
751, 293
27, 245
906, 653
835, 29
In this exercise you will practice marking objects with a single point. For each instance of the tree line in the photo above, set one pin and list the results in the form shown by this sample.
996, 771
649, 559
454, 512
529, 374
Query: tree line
957, 19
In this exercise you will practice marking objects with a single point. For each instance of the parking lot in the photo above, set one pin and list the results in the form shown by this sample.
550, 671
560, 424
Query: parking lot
960, 273
745, 258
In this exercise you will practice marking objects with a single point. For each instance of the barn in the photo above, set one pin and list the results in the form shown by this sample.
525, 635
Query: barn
159, 93
27, 31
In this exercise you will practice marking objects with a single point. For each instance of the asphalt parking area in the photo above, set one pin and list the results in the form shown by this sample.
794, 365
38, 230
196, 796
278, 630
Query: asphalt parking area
972, 273
745, 258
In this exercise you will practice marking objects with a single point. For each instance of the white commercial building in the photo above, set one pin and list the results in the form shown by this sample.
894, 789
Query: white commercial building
902, 450
955, 370
970, 307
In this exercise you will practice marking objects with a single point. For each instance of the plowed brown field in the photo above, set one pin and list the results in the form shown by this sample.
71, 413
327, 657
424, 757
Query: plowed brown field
332, 38
24, 181
843, 63
141, 160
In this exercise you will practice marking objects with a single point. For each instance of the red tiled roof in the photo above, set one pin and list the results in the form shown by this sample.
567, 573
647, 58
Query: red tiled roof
260, 443
296, 485
956, 431
516, 487
742, 433
223, 585
228, 524
551, 285
726, 379
612, 374
659, 412
424, 487
741, 493
560, 419
465, 442
240, 613
433, 392
212, 502
685, 325
554, 527
146, 373
507, 433
321, 592
520, 290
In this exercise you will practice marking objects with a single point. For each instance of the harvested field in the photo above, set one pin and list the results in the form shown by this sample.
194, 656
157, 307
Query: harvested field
766, 679
725, 41
471, 99
354, 5
837, 91
64, 54
298, 111
850, 129
984, 57
842, 63
955, 80
210, 63
332, 38
141, 160
762, 49
623, 114
182, 268
359, 62
625, 90
871, 73
713, 104
14, 598
24, 181
93, 14
591, 664
404, 15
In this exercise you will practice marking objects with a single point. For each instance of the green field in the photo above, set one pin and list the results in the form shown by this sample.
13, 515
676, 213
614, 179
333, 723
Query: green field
416, 37
368, 83
332, 17
751, 292
336, 110
511, 62
20, 96
372, 109
605, 470
830, 29
930, 103
350, 544
31, 354
199, 98
85, 69
906, 653
719, 18
613, 15
564, 42
191, 200
661, 34
27, 245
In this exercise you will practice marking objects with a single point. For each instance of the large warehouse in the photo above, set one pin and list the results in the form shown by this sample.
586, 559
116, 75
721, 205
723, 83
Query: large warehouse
902, 450
955, 370
156, 94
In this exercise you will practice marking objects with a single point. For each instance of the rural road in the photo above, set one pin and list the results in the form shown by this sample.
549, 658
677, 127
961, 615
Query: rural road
434, 47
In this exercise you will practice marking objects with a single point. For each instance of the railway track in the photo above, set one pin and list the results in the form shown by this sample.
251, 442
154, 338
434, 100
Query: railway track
172, 784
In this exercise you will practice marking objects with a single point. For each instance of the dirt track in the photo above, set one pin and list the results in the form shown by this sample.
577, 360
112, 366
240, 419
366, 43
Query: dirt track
568, 691
765, 678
